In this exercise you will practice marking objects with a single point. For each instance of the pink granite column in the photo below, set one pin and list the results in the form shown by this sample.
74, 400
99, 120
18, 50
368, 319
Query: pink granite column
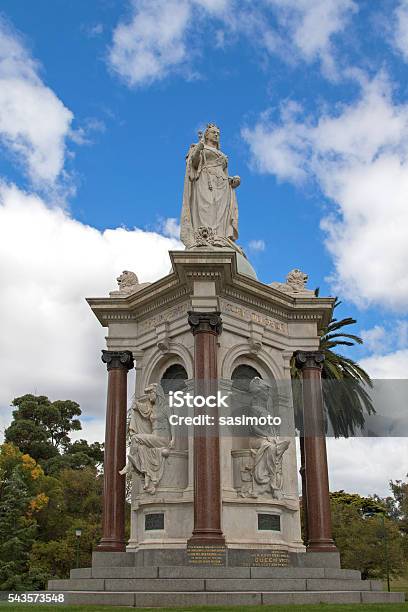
114, 484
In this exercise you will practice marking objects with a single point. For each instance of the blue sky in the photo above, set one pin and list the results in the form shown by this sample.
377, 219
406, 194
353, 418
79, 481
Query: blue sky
99, 102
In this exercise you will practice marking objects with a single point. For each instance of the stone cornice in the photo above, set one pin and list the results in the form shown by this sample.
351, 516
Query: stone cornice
221, 268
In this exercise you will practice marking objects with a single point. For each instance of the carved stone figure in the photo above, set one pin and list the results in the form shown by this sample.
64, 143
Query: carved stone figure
128, 283
295, 283
210, 213
151, 437
264, 473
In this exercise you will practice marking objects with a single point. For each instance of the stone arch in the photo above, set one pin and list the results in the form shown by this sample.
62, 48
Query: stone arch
159, 363
262, 361
174, 378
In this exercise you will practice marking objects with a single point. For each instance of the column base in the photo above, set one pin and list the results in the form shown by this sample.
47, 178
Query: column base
321, 546
209, 538
111, 546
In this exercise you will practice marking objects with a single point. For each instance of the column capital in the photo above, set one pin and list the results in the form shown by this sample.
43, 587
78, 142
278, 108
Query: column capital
309, 359
122, 360
205, 322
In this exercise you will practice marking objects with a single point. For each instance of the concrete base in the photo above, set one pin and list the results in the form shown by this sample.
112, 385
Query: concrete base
122, 579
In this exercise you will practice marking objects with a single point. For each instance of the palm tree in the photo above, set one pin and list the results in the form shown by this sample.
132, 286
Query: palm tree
345, 383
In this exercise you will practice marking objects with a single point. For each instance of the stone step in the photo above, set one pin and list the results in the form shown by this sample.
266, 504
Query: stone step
233, 598
214, 572
213, 584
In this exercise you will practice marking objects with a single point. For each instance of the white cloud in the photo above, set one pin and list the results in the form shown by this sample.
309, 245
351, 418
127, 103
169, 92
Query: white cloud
375, 339
34, 123
390, 365
257, 245
311, 25
51, 341
171, 228
150, 44
162, 37
359, 157
381, 339
400, 29
366, 465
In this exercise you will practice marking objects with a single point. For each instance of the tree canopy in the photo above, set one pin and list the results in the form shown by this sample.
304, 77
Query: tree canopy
42, 428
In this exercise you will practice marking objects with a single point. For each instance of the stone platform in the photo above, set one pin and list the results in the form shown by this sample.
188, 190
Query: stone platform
121, 579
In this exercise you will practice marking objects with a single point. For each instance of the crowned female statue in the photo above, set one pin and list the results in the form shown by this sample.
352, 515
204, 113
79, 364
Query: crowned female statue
210, 212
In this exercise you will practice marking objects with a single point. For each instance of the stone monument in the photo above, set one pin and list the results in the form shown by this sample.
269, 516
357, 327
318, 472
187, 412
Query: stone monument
215, 516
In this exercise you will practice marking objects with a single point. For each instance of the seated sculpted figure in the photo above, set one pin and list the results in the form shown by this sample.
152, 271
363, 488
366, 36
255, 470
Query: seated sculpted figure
267, 448
210, 212
151, 437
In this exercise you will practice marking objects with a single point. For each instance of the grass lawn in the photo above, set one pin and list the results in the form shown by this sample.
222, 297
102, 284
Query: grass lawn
308, 608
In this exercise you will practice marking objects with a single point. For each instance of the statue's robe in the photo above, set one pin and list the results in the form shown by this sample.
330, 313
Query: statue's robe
147, 443
208, 198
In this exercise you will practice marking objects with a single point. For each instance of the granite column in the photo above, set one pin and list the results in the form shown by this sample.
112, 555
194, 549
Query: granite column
319, 527
114, 485
206, 326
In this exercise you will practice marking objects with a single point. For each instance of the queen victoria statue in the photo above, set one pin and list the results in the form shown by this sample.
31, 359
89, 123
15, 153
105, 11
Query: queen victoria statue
210, 212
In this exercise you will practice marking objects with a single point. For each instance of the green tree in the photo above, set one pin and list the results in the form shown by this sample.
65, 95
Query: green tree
77, 456
79, 506
21, 498
360, 526
42, 428
397, 505
17, 532
36, 418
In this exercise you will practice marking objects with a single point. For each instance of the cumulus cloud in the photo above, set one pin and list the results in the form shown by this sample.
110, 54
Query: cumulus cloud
382, 339
152, 43
390, 365
34, 123
312, 24
159, 37
51, 341
358, 154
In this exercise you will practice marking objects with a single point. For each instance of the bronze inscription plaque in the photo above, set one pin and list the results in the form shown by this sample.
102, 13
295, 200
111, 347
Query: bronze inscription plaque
206, 555
272, 558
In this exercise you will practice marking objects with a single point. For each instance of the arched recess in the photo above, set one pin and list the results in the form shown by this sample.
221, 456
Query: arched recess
174, 378
159, 363
262, 362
